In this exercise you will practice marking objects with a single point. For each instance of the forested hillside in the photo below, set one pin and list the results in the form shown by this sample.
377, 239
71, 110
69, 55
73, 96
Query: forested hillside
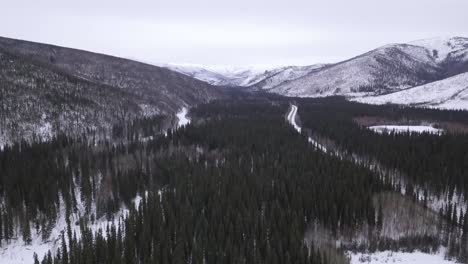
47, 90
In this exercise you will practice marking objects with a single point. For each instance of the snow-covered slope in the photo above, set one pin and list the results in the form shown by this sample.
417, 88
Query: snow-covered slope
276, 77
450, 93
441, 48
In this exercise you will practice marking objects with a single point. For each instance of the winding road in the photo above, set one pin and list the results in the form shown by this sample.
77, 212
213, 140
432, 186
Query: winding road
292, 120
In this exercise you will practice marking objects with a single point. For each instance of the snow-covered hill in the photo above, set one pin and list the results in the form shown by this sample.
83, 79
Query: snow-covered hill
389, 68
450, 93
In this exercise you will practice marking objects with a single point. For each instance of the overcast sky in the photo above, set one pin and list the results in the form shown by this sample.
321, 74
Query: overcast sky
235, 32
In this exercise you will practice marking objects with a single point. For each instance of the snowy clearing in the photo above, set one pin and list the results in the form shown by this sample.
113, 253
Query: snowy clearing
182, 117
399, 257
405, 129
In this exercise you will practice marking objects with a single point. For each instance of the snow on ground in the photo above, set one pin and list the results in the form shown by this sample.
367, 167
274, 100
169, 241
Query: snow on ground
2, 143
16, 252
182, 117
404, 129
400, 258
450, 93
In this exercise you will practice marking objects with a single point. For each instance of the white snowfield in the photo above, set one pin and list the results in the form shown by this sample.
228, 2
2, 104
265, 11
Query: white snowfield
182, 117
399, 258
405, 129
450, 93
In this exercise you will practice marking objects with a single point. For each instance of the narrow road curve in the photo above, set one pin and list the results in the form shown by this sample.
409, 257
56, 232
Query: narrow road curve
292, 120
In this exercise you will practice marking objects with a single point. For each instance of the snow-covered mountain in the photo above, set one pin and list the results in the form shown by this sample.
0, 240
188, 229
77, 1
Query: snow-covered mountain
386, 69
450, 93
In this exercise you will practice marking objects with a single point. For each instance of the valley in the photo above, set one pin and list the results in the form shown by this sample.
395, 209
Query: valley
108, 160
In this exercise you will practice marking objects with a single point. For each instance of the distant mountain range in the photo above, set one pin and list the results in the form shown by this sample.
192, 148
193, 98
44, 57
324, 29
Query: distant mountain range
385, 70
255, 76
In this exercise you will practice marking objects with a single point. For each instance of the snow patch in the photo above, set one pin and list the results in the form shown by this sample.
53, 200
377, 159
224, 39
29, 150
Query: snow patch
399, 257
182, 117
405, 129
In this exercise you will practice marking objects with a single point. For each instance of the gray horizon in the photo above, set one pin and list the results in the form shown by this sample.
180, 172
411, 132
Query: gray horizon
210, 32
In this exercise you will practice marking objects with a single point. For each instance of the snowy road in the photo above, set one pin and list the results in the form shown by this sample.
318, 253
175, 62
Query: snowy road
292, 120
